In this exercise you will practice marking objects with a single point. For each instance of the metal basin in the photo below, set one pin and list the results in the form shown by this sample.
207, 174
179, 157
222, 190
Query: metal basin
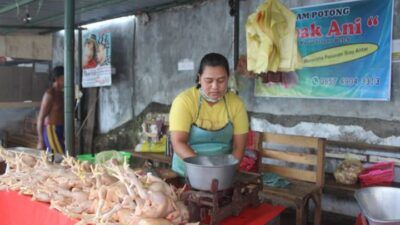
380, 205
202, 170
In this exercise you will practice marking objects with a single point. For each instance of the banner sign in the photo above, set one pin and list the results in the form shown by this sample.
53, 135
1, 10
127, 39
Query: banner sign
346, 49
96, 60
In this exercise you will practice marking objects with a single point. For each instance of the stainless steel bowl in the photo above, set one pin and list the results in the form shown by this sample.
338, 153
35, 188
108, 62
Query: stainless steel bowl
380, 205
202, 170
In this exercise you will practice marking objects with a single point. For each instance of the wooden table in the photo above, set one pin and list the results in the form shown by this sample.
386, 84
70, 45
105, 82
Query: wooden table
157, 157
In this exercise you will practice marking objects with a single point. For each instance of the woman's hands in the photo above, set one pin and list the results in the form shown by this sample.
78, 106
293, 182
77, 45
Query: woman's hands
181, 147
180, 144
239, 144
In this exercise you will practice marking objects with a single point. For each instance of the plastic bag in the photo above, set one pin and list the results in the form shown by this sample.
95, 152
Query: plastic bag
153, 137
249, 161
381, 173
271, 39
347, 171
104, 156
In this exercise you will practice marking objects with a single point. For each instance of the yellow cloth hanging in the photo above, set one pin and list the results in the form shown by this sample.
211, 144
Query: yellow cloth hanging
272, 39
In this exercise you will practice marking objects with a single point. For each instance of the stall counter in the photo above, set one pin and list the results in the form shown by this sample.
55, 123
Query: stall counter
17, 209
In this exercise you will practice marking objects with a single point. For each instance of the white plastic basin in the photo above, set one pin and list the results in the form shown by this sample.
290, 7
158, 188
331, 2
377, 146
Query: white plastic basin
380, 205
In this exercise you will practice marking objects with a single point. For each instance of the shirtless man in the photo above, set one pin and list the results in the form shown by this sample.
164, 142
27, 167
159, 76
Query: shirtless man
50, 122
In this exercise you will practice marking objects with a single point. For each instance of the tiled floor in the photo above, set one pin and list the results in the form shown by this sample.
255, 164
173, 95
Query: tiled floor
288, 217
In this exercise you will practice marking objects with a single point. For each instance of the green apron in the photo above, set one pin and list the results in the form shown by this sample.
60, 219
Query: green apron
206, 142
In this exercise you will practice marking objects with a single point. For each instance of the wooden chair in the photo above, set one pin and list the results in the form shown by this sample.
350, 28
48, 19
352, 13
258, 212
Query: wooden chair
302, 166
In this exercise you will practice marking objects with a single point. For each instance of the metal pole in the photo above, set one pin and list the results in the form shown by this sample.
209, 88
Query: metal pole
79, 106
236, 33
69, 20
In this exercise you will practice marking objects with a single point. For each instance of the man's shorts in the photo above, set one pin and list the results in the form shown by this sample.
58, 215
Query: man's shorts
53, 136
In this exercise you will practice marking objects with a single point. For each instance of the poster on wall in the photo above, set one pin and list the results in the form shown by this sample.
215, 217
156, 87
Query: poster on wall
346, 49
396, 50
96, 60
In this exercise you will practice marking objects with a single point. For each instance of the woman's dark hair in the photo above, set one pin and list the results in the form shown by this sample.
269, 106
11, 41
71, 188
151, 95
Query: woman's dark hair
57, 72
212, 59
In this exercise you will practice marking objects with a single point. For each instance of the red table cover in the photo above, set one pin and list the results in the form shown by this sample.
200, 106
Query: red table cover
361, 220
16, 209
261, 215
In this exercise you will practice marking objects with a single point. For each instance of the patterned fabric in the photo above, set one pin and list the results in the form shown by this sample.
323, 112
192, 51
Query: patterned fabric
274, 180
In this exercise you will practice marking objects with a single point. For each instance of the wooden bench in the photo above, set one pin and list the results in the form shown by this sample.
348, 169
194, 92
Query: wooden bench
358, 151
306, 180
344, 190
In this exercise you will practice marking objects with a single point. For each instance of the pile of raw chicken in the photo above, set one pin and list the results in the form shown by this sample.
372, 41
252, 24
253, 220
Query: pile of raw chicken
109, 193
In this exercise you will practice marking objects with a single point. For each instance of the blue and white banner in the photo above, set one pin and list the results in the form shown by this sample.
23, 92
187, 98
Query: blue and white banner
346, 49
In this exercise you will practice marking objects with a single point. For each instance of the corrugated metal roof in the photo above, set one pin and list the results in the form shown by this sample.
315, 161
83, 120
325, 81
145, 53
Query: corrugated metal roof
50, 13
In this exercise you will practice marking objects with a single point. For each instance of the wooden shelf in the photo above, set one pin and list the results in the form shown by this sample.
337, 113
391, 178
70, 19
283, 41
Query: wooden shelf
331, 186
158, 157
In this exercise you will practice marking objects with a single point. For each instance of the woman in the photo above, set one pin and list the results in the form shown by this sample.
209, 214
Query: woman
208, 120
101, 54
89, 52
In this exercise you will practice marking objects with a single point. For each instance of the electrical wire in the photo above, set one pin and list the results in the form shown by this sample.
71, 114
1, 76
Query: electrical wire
17, 5
40, 4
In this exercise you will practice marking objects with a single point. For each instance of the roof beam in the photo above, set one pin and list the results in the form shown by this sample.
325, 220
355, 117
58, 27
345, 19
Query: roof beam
81, 9
15, 5
27, 27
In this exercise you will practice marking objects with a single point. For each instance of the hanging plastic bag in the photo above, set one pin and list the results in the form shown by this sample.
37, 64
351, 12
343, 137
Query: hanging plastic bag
271, 39
251, 155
